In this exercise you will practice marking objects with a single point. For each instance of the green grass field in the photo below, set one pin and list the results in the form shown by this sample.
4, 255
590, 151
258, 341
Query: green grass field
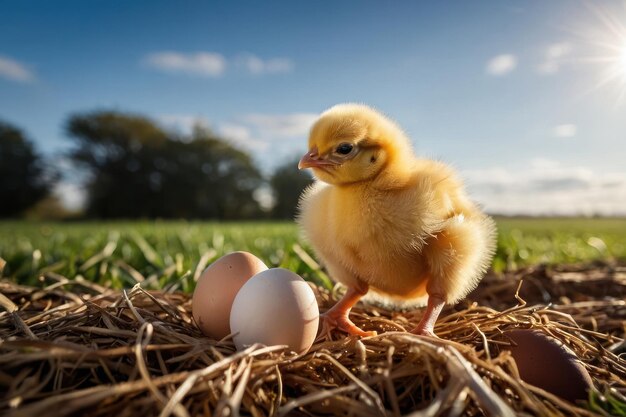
119, 254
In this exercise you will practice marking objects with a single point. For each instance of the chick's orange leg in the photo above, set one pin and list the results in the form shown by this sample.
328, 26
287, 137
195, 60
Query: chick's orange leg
337, 316
426, 325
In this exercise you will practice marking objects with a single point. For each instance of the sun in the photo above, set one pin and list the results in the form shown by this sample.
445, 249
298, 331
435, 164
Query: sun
615, 72
607, 49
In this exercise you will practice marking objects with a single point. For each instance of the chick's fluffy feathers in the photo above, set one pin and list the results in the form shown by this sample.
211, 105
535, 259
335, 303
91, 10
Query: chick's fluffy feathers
407, 228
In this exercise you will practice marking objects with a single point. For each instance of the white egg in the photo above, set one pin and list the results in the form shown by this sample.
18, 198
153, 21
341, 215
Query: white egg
275, 307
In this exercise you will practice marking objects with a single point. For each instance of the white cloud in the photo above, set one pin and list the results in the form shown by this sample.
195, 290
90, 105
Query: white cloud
255, 131
546, 187
242, 136
553, 58
257, 66
269, 137
208, 64
501, 64
182, 123
15, 71
565, 130
281, 125
211, 64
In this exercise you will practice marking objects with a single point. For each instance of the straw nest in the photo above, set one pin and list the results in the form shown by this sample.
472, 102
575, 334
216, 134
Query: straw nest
73, 347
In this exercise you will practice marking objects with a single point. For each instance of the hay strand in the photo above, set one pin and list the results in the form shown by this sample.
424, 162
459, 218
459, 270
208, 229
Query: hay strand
76, 348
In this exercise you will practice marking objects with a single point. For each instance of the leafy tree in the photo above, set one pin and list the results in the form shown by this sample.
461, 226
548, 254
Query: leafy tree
137, 169
24, 179
287, 184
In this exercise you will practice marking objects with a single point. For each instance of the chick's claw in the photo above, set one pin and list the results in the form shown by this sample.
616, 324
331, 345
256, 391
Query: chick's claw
331, 320
421, 331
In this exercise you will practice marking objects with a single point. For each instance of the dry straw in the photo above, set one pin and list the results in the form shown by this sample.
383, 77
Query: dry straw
76, 348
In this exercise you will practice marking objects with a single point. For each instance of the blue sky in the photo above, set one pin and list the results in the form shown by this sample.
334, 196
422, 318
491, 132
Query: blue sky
506, 91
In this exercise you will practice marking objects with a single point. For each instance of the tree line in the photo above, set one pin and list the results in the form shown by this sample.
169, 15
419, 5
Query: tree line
131, 167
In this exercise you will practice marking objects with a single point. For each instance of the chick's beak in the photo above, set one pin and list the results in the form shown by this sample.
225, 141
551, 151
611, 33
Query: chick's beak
312, 159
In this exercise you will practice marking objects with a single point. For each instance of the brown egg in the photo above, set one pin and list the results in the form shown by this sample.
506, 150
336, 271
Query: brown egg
545, 362
216, 289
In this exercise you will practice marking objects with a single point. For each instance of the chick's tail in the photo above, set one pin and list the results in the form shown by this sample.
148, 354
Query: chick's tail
459, 255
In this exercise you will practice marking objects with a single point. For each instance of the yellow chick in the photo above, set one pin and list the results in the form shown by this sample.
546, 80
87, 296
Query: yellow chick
380, 218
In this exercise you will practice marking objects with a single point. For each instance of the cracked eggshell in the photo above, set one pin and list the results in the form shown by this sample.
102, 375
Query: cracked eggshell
275, 307
216, 289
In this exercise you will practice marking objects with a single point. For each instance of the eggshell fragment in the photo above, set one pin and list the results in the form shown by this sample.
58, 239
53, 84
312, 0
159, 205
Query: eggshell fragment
275, 307
545, 362
216, 289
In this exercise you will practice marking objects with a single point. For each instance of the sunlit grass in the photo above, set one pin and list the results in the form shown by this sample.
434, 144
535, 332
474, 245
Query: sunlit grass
119, 254
524, 242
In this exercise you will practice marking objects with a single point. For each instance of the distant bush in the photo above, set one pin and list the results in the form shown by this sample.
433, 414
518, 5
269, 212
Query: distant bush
24, 179
135, 169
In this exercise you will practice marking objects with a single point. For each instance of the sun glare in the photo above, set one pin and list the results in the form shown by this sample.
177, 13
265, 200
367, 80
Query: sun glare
623, 58
606, 39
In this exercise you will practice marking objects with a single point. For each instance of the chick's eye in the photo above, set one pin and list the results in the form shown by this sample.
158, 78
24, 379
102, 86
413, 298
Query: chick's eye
344, 148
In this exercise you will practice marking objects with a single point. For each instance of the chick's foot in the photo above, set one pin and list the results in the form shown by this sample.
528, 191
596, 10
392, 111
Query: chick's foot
338, 320
337, 316
422, 331
426, 326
